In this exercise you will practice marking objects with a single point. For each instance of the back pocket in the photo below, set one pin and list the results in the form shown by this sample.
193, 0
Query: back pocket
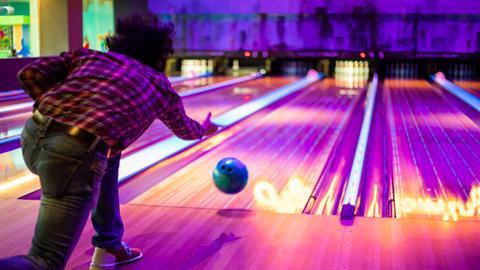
55, 172
29, 150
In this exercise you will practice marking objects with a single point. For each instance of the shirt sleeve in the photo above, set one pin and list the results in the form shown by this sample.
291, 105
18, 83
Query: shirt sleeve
39, 76
175, 118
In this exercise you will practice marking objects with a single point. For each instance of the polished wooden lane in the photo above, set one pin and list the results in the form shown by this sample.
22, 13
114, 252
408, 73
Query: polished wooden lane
193, 238
435, 151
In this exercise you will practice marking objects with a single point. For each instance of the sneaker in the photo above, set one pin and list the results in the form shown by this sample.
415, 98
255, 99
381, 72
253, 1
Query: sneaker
109, 258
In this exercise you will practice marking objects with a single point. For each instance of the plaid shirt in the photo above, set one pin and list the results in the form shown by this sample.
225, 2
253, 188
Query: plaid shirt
107, 94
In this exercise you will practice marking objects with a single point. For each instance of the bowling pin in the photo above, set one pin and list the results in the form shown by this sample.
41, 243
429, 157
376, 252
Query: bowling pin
210, 66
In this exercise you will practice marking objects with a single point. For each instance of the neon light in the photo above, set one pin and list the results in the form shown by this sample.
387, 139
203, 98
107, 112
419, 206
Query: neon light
449, 210
291, 199
353, 184
14, 20
457, 91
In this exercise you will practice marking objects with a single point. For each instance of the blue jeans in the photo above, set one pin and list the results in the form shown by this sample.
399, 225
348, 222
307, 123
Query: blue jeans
75, 180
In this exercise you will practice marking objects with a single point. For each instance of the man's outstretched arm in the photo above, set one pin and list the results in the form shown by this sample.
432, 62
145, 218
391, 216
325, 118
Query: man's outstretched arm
175, 118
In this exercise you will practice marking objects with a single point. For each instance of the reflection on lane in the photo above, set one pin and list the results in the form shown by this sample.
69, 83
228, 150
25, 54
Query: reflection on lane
433, 150
12, 125
14, 175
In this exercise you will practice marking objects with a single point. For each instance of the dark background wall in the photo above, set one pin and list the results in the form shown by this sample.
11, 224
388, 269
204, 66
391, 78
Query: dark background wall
9, 69
347, 25
123, 8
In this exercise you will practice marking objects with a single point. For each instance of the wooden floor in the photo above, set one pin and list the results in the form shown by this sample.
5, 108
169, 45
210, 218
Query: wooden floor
192, 238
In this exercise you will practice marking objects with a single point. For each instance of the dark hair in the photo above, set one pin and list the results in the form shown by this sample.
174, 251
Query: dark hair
143, 38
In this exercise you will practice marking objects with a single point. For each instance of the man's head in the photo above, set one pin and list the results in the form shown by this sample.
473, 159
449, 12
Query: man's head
143, 38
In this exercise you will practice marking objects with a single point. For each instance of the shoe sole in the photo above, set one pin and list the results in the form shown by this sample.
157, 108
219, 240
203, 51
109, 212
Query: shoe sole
94, 267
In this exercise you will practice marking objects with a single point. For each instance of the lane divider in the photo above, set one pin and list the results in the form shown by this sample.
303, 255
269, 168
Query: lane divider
457, 91
353, 182
148, 157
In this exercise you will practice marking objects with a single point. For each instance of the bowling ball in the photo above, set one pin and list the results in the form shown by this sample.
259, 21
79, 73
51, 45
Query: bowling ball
230, 175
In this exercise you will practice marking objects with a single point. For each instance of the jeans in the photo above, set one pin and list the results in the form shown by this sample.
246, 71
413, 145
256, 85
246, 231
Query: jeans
74, 180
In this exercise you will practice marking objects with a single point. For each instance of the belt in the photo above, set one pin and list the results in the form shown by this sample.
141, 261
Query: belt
94, 142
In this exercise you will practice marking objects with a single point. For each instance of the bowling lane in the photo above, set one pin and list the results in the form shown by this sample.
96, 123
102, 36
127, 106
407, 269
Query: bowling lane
433, 149
285, 151
14, 175
12, 124
472, 87
9, 100
10, 94
186, 85
217, 102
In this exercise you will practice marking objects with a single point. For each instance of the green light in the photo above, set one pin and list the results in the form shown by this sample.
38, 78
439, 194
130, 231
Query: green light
14, 20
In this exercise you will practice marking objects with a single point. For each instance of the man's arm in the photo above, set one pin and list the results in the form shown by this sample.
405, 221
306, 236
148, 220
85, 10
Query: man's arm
39, 76
175, 118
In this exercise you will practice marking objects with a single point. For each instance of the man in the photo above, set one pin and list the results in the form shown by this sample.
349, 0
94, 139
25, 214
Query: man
89, 106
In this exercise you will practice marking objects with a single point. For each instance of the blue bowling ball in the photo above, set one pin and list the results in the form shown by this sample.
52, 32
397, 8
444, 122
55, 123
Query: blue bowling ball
230, 175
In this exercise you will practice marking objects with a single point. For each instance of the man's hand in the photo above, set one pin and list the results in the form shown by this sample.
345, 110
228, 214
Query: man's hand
208, 126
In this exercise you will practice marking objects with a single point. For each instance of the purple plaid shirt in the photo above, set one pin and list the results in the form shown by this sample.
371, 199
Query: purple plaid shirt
107, 94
